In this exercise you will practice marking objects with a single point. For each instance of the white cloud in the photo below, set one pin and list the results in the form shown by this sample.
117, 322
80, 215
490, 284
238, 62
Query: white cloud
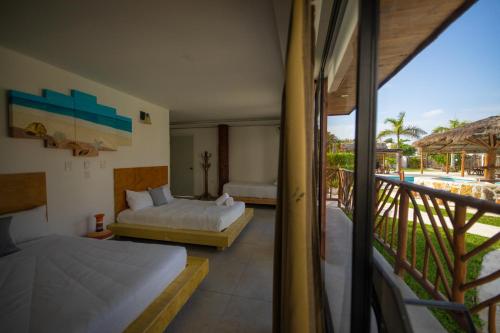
432, 113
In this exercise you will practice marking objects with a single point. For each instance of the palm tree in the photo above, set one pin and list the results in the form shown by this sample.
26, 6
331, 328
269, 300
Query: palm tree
454, 123
399, 130
331, 142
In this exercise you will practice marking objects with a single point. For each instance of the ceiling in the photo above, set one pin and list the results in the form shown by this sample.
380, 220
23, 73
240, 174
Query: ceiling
203, 60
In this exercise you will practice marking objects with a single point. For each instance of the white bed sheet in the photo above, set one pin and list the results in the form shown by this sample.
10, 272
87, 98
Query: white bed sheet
186, 214
71, 284
250, 189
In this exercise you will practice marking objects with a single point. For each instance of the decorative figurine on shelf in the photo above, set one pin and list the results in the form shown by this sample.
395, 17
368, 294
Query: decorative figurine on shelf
205, 156
99, 222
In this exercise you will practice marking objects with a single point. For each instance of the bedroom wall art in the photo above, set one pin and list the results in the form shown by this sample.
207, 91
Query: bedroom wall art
73, 122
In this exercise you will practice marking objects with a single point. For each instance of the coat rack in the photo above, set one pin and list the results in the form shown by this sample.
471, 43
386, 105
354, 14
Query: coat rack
205, 156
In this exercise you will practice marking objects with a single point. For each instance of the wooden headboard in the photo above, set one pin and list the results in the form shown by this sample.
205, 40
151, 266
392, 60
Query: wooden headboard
136, 179
21, 191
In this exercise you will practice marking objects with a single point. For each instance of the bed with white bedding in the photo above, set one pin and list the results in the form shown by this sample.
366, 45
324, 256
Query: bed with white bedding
159, 216
252, 192
51, 283
69, 284
186, 214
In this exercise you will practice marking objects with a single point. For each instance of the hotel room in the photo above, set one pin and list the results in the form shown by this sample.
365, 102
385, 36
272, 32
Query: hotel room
164, 165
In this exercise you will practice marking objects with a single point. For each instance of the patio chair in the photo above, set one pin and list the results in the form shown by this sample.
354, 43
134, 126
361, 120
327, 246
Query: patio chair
390, 307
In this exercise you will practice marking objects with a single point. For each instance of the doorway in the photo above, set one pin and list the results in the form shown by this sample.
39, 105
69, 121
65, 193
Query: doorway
181, 161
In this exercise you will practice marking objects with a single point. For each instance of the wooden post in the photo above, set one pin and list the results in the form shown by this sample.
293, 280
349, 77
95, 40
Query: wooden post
492, 313
421, 161
402, 233
459, 267
462, 165
339, 190
223, 156
489, 172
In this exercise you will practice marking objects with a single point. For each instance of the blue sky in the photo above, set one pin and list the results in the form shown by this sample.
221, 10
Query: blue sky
457, 76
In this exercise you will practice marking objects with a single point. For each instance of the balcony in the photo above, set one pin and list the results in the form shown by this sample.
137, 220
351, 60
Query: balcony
424, 238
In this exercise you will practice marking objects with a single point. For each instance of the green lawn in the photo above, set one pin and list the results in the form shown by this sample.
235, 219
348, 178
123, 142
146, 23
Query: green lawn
490, 220
473, 269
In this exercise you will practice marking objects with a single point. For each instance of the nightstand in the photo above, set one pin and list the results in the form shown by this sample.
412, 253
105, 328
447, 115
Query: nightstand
105, 234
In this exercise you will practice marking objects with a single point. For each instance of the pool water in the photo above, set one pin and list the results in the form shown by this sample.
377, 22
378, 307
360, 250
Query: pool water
455, 180
409, 179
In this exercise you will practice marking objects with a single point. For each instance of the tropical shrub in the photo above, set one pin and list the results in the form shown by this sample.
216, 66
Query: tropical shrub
440, 159
344, 160
390, 161
408, 150
414, 162
340, 160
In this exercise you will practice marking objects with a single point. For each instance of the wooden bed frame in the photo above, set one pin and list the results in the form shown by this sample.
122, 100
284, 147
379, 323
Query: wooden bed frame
140, 179
257, 201
160, 313
23, 191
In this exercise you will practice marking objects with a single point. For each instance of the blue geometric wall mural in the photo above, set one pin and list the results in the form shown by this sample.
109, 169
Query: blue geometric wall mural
74, 122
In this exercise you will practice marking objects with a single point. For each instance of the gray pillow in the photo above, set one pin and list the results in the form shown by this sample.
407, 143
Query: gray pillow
7, 245
158, 196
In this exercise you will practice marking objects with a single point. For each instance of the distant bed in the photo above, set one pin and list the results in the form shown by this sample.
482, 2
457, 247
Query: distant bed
74, 284
186, 214
252, 192
182, 221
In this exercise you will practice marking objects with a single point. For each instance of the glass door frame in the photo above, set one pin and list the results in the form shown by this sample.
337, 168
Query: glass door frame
366, 115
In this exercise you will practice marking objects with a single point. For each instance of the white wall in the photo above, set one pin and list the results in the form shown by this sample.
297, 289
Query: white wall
204, 139
72, 198
253, 154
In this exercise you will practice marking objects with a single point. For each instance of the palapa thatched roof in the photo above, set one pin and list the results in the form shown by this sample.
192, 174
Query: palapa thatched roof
475, 137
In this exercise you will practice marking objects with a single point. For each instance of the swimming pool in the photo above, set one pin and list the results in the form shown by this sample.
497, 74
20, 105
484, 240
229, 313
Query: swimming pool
454, 180
409, 179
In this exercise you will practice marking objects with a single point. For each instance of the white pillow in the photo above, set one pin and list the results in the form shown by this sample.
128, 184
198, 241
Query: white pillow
168, 194
139, 200
29, 224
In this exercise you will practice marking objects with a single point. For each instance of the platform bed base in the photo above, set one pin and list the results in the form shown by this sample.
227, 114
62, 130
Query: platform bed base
221, 240
163, 309
257, 201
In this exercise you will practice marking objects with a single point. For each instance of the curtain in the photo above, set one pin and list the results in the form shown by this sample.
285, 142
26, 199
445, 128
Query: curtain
297, 302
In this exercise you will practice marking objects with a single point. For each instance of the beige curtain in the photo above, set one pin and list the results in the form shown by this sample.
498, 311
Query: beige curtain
297, 303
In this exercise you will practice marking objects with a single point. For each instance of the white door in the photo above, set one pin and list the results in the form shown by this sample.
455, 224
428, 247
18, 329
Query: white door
181, 162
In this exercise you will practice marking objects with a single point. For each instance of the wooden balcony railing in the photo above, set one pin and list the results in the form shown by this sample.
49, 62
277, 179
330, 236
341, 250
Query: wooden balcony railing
346, 189
425, 232
332, 183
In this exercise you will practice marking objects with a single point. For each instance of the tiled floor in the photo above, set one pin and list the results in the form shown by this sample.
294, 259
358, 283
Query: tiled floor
237, 293
338, 277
